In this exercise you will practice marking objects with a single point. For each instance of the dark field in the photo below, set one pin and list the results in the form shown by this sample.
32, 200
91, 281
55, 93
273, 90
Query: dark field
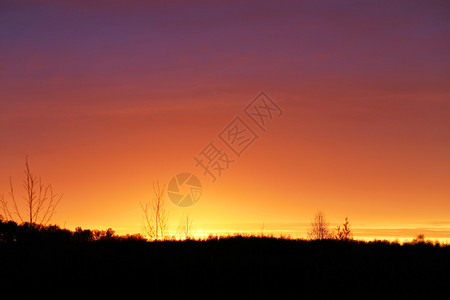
244, 266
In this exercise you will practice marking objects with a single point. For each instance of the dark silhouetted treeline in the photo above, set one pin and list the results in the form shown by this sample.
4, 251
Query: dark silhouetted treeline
43, 259
26, 232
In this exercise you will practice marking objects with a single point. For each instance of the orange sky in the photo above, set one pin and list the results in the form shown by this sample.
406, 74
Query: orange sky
107, 99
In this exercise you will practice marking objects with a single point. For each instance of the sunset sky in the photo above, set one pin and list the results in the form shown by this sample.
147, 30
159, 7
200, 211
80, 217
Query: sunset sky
107, 97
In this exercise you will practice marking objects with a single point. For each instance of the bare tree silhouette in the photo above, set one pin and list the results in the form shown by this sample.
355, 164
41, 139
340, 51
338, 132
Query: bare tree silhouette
185, 227
155, 215
344, 232
319, 228
40, 201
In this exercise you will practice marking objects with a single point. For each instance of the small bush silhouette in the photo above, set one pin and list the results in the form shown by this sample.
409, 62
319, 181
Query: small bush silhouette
343, 232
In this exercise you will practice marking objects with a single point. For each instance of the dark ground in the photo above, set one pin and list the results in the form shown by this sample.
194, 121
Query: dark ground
237, 266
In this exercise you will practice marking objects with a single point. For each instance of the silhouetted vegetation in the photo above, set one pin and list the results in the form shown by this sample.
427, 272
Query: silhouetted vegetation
154, 215
10, 231
319, 228
40, 200
51, 258
185, 227
420, 239
343, 231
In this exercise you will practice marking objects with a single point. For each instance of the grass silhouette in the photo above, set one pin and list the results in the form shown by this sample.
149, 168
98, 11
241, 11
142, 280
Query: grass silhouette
51, 258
